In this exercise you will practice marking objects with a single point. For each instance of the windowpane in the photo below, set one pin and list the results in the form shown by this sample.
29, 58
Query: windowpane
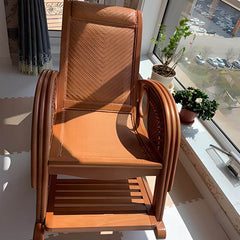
54, 10
211, 61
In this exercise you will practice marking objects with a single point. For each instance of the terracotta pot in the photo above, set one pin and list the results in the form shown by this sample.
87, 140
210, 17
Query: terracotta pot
166, 81
187, 116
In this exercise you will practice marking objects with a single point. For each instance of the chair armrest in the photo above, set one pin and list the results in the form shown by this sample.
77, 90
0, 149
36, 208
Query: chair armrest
42, 122
163, 128
163, 125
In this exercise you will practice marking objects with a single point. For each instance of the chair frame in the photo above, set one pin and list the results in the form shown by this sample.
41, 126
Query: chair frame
161, 112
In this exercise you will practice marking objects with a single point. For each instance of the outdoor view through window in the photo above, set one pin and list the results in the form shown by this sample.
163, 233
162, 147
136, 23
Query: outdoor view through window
212, 60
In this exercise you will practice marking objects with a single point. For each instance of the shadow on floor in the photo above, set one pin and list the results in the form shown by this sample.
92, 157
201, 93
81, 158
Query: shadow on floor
15, 124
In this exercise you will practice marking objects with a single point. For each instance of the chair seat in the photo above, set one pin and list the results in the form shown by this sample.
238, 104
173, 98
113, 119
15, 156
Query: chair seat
87, 138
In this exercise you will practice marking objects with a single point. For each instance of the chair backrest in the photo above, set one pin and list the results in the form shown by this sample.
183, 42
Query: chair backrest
100, 54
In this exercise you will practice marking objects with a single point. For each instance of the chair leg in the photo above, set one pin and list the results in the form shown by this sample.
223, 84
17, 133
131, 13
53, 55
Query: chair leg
159, 200
38, 232
160, 230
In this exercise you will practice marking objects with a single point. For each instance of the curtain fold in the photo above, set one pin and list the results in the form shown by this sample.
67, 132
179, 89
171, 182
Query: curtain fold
34, 44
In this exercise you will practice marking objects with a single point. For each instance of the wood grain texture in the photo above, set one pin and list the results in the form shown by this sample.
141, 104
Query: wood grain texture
38, 232
86, 223
116, 197
160, 231
103, 205
98, 132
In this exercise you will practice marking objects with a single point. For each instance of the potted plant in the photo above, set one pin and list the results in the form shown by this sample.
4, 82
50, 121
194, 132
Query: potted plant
194, 103
169, 55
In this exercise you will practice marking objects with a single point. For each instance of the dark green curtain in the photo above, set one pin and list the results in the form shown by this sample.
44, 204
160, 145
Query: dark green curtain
33, 38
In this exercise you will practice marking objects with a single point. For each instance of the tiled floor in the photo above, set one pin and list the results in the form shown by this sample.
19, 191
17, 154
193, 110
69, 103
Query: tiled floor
187, 217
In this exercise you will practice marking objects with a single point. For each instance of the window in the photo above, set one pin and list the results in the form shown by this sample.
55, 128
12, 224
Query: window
212, 61
54, 9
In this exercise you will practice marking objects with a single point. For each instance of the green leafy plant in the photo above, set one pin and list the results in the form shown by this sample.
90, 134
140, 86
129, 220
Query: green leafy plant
169, 53
195, 100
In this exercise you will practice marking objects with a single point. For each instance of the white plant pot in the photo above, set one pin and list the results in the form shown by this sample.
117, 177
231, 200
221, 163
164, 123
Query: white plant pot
166, 81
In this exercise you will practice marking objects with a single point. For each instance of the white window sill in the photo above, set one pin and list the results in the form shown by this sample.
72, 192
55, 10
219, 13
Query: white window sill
208, 162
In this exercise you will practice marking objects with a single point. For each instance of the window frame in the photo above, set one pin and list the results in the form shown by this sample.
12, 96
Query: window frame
213, 128
195, 160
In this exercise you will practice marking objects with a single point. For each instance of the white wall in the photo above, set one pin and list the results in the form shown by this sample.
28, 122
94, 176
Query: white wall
151, 13
4, 48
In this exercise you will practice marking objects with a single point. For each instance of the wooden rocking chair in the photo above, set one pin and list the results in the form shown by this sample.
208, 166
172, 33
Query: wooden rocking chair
88, 123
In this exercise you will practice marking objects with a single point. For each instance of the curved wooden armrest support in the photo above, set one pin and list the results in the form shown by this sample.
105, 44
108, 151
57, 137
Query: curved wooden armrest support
158, 117
163, 127
42, 121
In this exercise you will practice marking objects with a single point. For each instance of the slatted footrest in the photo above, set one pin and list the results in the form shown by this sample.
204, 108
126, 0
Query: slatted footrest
80, 205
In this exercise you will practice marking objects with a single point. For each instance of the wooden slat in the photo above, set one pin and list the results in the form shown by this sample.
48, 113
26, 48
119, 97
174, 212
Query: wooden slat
86, 223
102, 172
97, 201
99, 191
100, 209
96, 187
91, 181
139, 206
94, 194
105, 162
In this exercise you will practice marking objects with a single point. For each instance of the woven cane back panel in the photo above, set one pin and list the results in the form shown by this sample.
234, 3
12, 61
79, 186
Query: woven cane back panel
155, 123
99, 63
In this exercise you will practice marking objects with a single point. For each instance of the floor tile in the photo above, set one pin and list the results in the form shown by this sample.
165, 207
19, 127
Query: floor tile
15, 124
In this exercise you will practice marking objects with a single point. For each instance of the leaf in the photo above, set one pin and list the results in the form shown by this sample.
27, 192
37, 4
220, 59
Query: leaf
169, 52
